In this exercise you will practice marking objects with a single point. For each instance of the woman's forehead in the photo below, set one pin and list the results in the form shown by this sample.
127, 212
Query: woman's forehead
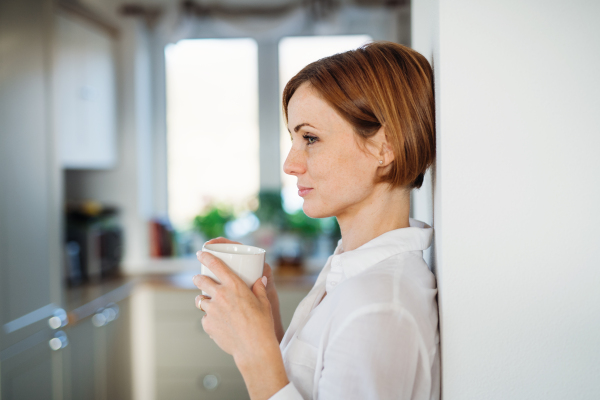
307, 107
305, 97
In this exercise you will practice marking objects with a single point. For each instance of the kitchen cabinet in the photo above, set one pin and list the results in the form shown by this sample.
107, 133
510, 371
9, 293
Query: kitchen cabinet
88, 359
116, 338
29, 189
289, 298
80, 366
84, 94
27, 372
97, 362
29, 206
36, 359
186, 363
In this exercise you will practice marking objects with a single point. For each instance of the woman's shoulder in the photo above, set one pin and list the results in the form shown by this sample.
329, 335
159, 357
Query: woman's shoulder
388, 280
401, 284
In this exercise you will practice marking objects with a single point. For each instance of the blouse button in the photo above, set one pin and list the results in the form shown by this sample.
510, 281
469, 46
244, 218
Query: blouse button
333, 283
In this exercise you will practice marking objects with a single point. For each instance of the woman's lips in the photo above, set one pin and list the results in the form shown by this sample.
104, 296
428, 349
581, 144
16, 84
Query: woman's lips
303, 191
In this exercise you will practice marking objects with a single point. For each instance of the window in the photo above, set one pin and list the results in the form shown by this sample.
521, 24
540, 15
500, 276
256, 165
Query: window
212, 125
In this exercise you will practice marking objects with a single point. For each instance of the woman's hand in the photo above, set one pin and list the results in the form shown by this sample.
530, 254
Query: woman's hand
239, 320
236, 318
271, 292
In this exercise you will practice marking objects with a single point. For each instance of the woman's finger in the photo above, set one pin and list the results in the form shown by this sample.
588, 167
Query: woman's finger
260, 290
221, 240
205, 283
205, 325
217, 267
203, 303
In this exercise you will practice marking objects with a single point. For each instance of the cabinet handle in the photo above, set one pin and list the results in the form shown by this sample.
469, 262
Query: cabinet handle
105, 315
59, 341
58, 319
210, 382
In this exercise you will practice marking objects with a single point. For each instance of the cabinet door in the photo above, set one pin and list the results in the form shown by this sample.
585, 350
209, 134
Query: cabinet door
289, 298
80, 362
119, 379
84, 93
27, 369
29, 211
97, 361
112, 361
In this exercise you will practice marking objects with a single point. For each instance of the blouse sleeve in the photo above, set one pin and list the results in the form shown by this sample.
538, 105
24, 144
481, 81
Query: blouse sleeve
288, 392
375, 355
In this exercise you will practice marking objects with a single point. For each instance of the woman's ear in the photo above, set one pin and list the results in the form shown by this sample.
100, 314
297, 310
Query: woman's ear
382, 148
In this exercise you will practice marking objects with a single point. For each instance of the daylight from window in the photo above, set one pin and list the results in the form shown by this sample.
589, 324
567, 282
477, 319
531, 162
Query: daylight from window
294, 54
212, 125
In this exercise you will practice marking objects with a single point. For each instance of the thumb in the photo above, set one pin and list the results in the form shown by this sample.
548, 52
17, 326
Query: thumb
260, 289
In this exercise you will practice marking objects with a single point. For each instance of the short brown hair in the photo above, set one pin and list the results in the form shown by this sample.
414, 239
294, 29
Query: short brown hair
380, 84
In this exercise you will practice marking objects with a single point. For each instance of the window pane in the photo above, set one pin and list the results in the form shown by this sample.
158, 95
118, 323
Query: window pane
212, 124
294, 54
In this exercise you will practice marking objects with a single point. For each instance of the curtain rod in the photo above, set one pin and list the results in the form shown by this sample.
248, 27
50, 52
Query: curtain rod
318, 7
79, 10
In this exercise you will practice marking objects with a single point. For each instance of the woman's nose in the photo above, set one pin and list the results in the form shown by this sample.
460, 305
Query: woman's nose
294, 163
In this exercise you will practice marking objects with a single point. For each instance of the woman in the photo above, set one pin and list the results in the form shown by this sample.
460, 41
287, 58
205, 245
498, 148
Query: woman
363, 135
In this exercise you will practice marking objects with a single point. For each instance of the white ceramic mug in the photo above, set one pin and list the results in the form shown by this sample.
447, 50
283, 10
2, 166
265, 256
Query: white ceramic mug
246, 261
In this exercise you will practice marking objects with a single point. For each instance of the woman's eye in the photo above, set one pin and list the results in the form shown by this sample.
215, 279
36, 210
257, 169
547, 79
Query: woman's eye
310, 139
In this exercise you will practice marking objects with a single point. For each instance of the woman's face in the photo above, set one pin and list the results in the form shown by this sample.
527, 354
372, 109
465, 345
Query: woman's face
335, 176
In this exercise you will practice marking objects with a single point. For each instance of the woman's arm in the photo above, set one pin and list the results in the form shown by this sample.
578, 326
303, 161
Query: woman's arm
241, 323
263, 374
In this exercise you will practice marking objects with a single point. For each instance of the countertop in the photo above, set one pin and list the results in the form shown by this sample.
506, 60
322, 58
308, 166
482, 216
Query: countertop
85, 300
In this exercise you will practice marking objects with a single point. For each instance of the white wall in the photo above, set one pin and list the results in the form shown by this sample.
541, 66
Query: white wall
423, 22
517, 195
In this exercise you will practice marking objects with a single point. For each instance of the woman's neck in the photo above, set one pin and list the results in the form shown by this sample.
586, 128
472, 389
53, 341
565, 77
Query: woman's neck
384, 211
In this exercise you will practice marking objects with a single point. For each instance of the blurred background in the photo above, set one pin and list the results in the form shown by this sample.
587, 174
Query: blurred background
184, 100
132, 131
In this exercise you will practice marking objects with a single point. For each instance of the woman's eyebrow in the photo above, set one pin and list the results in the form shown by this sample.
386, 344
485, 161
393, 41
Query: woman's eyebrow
297, 128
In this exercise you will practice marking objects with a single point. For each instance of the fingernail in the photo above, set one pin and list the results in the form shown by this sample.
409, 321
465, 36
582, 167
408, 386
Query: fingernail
264, 280
198, 253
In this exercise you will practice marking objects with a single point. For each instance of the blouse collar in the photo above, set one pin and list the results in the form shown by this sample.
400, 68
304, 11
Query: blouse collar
345, 265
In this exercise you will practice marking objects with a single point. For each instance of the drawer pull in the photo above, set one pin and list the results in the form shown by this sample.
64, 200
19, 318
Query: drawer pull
59, 341
105, 315
58, 319
210, 382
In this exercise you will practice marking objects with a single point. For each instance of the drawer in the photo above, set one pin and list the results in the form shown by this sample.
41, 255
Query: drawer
200, 383
288, 302
180, 339
175, 300
184, 300
181, 342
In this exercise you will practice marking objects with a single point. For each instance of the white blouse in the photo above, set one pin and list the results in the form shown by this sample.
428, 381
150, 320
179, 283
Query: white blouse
375, 334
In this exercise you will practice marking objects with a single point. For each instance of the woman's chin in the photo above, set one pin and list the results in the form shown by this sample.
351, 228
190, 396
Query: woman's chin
313, 211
